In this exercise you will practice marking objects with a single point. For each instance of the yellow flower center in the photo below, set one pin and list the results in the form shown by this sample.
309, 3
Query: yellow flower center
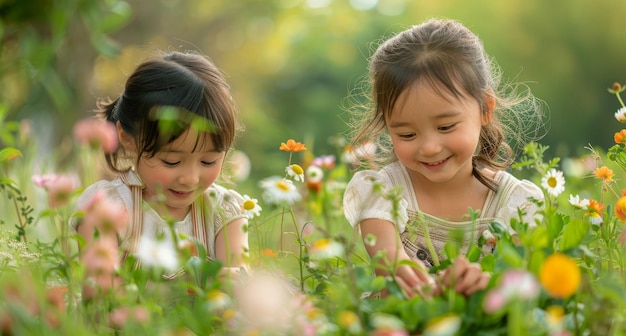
248, 205
347, 318
552, 182
322, 244
297, 169
282, 185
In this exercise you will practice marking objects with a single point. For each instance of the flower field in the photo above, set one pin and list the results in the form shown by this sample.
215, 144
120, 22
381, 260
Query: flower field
308, 270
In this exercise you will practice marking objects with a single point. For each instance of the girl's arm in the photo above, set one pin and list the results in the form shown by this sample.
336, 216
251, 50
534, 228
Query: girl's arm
410, 279
231, 245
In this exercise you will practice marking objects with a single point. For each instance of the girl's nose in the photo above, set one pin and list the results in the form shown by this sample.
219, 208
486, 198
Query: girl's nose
430, 145
190, 176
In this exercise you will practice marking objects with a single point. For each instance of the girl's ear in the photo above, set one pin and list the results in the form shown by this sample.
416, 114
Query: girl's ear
126, 140
490, 106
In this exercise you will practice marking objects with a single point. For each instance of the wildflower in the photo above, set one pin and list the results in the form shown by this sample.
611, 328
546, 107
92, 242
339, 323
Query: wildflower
594, 212
555, 318
355, 154
119, 317
350, 321
325, 248
604, 173
387, 325
513, 284
239, 165
620, 208
314, 176
553, 182
560, 275
279, 190
448, 324
324, 161
292, 146
617, 88
101, 257
620, 115
158, 253
250, 207
296, 172
620, 137
577, 202
269, 253
59, 187
109, 216
96, 132
216, 300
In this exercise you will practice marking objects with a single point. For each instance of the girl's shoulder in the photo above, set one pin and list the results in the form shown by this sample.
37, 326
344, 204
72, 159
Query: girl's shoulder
388, 176
513, 186
219, 195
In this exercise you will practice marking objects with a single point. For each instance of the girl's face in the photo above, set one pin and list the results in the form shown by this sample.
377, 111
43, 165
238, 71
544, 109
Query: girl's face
434, 133
180, 172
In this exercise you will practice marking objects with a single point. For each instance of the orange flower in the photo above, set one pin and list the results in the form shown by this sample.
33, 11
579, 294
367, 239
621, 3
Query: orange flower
560, 275
292, 146
604, 173
620, 208
620, 137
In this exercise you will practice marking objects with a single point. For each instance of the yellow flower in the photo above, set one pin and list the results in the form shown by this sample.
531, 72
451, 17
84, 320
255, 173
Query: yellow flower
292, 146
560, 275
604, 173
620, 208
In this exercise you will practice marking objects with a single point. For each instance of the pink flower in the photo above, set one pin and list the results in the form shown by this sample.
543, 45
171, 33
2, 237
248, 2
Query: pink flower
324, 161
96, 132
513, 284
101, 257
59, 187
105, 214
120, 316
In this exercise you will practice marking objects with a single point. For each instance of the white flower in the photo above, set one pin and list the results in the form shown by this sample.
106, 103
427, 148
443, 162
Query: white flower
325, 249
595, 218
578, 203
447, 324
158, 253
296, 172
553, 182
250, 207
620, 115
314, 174
279, 190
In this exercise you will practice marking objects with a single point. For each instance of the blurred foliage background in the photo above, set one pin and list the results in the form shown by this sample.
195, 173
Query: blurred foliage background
293, 63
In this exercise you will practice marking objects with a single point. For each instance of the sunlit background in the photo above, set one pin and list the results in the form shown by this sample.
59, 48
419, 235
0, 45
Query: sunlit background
292, 64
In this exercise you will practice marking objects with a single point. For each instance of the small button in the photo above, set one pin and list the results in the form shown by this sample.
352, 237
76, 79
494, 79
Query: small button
422, 255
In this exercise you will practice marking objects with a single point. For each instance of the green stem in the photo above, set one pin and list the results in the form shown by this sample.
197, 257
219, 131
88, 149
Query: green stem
619, 98
429, 243
300, 249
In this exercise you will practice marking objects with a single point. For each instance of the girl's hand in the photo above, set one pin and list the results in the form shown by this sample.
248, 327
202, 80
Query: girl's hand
415, 280
467, 278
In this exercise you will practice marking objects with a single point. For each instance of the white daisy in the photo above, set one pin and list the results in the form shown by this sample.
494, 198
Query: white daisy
325, 249
595, 218
620, 115
314, 174
578, 203
296, 172
553, 182
250, 207
158, 253
279, 190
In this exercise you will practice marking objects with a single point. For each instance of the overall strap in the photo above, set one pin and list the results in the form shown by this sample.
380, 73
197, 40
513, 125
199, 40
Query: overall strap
135, 184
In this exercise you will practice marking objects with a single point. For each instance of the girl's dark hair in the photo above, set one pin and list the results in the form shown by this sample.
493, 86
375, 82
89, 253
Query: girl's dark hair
448, 56
177, 90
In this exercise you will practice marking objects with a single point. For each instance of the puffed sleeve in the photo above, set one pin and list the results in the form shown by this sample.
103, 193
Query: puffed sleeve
227, 206
364, 198
521, 197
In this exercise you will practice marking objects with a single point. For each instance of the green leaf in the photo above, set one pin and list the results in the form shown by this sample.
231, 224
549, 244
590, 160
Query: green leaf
574, 233
9, 153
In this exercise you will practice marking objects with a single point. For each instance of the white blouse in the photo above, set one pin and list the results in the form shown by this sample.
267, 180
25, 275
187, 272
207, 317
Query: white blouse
221, 206
362, 201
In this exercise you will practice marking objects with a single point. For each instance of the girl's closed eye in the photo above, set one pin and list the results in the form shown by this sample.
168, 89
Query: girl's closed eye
170, 163
208, 163
446, 127
406, 135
